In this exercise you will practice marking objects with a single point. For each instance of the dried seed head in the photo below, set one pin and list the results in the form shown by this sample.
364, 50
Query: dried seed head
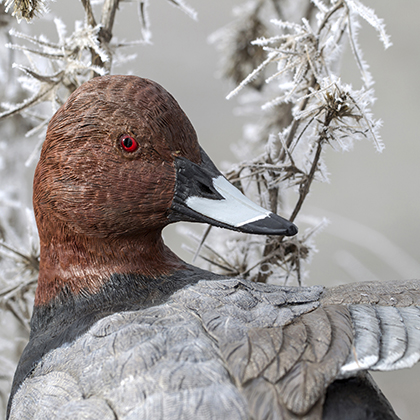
25, 9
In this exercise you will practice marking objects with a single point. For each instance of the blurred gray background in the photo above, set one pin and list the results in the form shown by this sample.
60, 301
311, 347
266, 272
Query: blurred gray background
372, 200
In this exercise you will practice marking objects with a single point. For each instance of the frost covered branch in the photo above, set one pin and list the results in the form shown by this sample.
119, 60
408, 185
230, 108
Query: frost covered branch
291, 57
50, 71
56, 69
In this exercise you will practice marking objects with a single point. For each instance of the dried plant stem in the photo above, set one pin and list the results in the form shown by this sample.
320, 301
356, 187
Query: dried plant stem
273, 193
313, 82
109, 10
295, 124
89, 13
306, 185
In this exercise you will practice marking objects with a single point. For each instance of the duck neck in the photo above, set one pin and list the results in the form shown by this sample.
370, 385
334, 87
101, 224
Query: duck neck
81, 265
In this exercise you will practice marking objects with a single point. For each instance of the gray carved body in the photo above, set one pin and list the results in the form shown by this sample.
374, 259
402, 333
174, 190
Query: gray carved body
226, 349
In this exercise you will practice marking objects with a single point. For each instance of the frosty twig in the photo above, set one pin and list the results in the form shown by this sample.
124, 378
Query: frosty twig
303, 106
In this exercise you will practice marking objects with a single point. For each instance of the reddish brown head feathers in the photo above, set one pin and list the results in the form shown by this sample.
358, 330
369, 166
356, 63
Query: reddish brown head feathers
99, 207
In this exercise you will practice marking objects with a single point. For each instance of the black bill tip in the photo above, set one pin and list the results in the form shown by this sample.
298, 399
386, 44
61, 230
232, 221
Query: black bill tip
272, 224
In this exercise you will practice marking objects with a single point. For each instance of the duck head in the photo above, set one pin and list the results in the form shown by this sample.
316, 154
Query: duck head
121, 160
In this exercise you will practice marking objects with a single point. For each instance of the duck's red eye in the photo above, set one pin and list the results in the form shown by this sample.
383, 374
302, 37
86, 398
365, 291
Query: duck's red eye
128, 143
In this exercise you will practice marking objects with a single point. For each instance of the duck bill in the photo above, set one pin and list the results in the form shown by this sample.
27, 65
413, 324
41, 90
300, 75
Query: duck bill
203, 194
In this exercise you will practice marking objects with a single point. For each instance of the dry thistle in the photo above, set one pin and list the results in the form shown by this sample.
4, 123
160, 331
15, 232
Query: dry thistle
26, 9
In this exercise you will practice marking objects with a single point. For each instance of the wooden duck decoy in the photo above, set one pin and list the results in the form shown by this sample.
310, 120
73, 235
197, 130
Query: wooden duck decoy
124, 329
